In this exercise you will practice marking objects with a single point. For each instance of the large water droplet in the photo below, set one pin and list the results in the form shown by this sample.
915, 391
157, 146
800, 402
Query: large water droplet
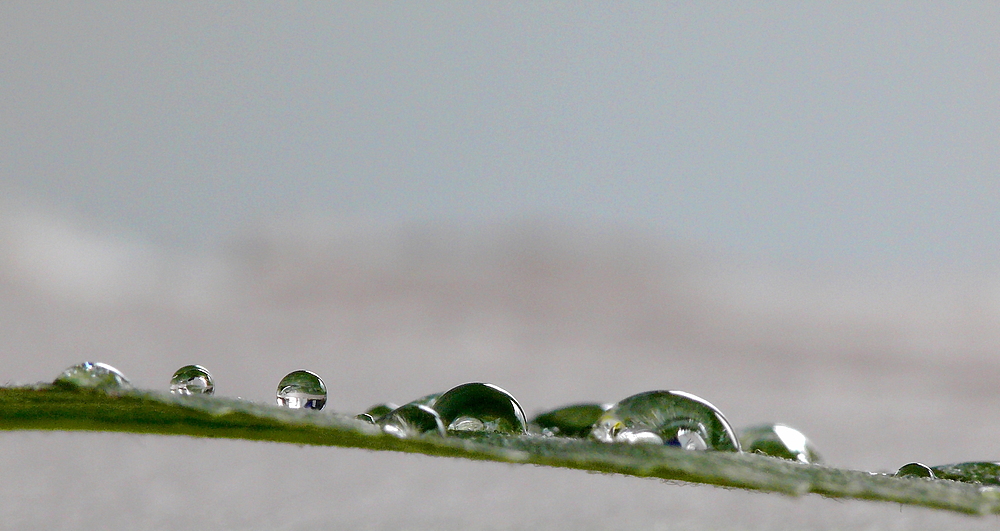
376, 412
915, 470
984, 472
301, 389
412, 420
779, 440
480, 407
192, 380
91, 375
570, 421
673, 418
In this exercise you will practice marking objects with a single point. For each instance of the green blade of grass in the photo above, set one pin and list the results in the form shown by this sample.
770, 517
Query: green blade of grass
50, 408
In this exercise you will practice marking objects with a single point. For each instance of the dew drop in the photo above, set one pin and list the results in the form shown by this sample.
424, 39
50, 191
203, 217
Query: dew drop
412, 420
192, 380
570, 421
915, 470
93, 375
301, 390
480, 407
984, 472
779, 440
376, 412
380, 410
673, 418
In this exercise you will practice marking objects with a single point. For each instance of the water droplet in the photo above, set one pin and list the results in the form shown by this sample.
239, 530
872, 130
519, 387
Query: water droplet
91, 375
192, 380
674, 418
301, 389
570, 421
984, 472
479, 407
915, 470
412, 420
381, 410
376, 412
779, 440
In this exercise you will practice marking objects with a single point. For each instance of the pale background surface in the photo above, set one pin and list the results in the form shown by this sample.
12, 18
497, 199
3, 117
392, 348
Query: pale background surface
788, 211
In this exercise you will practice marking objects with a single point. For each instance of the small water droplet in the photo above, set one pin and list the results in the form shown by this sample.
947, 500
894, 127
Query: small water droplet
779, 440
380, 410
984, 472
674, 418
479, 407
376, 412
570, 421
192, 380
915, 470
412, 420
93, 375
301, 390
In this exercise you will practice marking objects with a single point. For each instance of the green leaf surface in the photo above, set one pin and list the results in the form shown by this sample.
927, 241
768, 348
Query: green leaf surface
52, 408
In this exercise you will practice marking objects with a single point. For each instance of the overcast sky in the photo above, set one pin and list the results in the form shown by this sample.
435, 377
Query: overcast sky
846, 132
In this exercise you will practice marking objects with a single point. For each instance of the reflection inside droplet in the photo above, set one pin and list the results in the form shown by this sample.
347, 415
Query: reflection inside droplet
301, 390
689, 440
412, 420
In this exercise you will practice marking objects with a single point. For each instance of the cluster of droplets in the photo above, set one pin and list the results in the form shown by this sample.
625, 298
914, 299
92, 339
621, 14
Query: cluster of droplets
673, 418
982, 472
669, 418
468, 409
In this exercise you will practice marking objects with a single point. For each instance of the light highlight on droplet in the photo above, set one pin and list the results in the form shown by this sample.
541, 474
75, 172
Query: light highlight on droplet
480, 407
779, 440
93, 375
673, 418
192, 380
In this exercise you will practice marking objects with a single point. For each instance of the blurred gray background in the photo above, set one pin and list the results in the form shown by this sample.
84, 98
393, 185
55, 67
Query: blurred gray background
787, 209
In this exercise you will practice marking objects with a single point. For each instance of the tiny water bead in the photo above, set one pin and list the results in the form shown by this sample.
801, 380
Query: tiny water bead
779, 440
93, 375
380, 410
480, 407
301, 390
376, 412
673, 418
570, 421
412, 420
983, 472
192, 380
915, 470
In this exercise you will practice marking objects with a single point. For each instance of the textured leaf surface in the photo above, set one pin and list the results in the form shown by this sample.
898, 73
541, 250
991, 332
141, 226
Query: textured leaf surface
47, 408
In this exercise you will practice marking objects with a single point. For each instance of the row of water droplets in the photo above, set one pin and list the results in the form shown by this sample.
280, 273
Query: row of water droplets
671, 418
